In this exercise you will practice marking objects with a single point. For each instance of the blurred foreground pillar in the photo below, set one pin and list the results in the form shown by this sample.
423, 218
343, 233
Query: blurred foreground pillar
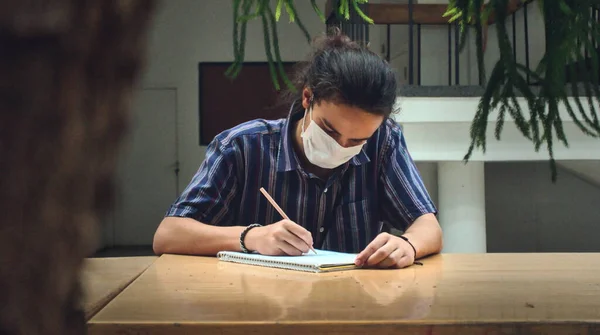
67, 70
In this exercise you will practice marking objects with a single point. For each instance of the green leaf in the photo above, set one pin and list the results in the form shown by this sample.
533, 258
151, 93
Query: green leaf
278, 9
485, 14
278, 60
464, 37
575, 89
479, 43
317, 10
564, 7
290, 11
360, 13
257, 12
232, 69
267, 41
517, 115
500, 122
479, 124
450, 11
455, 17
344, 9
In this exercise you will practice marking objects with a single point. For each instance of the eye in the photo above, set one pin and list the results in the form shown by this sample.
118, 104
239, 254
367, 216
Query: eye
328, 130
332, 134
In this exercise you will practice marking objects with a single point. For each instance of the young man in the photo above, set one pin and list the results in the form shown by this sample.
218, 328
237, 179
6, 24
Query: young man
338, 166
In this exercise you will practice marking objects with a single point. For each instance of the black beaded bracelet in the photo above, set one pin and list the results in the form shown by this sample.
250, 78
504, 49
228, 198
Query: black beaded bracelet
243, 236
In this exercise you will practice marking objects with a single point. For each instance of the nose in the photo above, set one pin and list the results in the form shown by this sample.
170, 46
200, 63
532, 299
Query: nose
346, 143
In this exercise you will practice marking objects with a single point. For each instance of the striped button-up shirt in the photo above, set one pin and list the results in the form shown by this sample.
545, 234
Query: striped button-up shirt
344, 213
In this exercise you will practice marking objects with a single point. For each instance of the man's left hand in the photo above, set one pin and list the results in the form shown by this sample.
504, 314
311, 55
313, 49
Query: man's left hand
386, 251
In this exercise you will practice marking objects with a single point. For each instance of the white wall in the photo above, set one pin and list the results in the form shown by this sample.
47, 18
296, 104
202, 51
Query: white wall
186, 32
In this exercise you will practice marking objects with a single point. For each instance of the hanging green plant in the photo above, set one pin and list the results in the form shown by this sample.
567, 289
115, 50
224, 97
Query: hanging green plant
571, 32
247, 10
570, 62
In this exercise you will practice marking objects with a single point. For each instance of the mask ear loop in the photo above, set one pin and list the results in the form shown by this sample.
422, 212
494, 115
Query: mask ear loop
311, 104
309, 110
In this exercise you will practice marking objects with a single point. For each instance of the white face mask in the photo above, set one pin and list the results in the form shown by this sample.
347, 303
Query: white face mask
321, 149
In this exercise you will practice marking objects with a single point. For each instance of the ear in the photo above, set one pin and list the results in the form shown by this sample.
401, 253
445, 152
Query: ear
306, 97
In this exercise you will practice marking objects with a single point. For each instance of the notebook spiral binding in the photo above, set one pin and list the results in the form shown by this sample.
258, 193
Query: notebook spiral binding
265, 262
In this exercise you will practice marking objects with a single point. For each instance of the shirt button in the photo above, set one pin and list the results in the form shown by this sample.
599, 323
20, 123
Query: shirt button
322, 229
325, 190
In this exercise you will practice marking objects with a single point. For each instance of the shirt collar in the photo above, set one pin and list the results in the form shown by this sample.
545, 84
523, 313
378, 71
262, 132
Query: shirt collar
287, 160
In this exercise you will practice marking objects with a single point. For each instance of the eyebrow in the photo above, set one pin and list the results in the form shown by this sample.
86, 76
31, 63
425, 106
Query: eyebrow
337, 132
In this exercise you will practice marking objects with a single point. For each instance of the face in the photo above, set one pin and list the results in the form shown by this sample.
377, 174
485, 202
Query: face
349, 126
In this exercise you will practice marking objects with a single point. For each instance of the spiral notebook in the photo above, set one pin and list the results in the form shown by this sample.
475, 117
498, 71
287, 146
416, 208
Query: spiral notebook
323, 261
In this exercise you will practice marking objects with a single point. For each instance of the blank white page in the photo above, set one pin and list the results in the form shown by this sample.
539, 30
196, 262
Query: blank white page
323, 257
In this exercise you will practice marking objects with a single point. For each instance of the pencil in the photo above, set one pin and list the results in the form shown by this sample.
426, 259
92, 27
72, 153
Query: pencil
281, 212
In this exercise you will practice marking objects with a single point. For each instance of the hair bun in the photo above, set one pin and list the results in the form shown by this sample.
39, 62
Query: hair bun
343, 71
335, 39
338, 40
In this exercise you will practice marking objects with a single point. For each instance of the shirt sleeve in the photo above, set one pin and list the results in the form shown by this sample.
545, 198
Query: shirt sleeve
403, 196
210, 197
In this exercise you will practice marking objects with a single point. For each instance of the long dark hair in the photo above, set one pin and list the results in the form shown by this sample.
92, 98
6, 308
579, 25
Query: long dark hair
341, 71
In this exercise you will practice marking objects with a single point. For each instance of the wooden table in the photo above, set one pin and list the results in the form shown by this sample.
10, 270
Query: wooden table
449, 294
104, 278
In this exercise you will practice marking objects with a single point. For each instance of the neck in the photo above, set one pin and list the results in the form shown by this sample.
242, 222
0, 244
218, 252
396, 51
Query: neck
299, 148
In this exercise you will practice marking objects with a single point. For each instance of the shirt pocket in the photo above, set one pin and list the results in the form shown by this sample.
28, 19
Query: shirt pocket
355, 225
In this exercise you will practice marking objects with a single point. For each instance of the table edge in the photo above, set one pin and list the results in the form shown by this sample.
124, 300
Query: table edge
347, 327
101, 304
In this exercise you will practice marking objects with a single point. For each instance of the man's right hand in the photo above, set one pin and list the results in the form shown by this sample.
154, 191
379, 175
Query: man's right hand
281, 238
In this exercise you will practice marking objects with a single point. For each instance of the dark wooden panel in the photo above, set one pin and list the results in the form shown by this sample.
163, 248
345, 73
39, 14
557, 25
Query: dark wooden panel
225, 103
429, 14
398, 13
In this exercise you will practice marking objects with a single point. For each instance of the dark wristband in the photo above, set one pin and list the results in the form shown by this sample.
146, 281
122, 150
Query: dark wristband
413, 247
243, 236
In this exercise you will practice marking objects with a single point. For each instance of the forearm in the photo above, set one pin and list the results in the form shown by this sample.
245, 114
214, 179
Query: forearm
177, 235
426, 235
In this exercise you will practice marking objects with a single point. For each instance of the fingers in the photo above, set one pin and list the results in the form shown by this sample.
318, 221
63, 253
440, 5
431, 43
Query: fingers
377, 243
385, 251
289, 242
397, 259
381, 254
405, 261
294, 242
299, 231
288, 249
